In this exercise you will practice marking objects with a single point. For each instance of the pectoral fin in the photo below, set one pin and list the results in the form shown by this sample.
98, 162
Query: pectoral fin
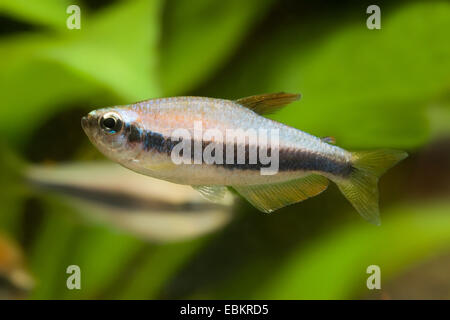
268, 103
270, 197
211, 193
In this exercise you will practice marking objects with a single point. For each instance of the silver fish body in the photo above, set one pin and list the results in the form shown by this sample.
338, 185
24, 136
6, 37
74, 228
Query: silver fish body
141, 137
144, 145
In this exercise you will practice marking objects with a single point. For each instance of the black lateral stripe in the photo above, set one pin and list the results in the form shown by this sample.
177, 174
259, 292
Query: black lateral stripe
156, 141
134, 133
289, 160
309, 161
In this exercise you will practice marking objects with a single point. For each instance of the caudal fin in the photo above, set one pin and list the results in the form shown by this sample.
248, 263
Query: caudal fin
361, 188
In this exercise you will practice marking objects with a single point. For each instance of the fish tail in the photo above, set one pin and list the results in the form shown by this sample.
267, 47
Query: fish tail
361, 188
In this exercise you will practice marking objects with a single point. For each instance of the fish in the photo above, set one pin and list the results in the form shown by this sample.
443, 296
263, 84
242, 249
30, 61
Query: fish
186, 140
152, 209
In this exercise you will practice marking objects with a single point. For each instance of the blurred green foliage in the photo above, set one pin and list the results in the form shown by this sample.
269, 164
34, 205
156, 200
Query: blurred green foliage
368, 88
340, 268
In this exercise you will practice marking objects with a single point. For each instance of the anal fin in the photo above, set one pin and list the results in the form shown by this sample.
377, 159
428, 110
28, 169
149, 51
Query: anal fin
270, 197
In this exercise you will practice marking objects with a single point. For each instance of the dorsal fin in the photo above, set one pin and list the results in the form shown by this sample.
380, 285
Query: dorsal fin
330, 140
268, 103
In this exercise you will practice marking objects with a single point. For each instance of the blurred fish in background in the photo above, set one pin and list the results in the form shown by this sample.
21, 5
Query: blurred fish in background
152, 209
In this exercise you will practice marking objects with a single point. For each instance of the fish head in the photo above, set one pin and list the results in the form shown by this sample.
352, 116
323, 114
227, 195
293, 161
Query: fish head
109, 130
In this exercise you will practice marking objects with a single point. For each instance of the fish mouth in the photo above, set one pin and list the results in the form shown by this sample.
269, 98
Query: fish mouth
88, 122
84, 122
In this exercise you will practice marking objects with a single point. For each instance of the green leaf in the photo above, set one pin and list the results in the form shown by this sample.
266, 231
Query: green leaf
380, 87
13, 193
44, 12
334, 266
200, 35
439, 115
50, 249
156, 268
32, 88
114, 52
367, 88
116, 48
100, 252
102, 255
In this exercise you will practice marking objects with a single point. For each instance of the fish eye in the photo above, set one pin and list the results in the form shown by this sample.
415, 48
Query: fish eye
111, 123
